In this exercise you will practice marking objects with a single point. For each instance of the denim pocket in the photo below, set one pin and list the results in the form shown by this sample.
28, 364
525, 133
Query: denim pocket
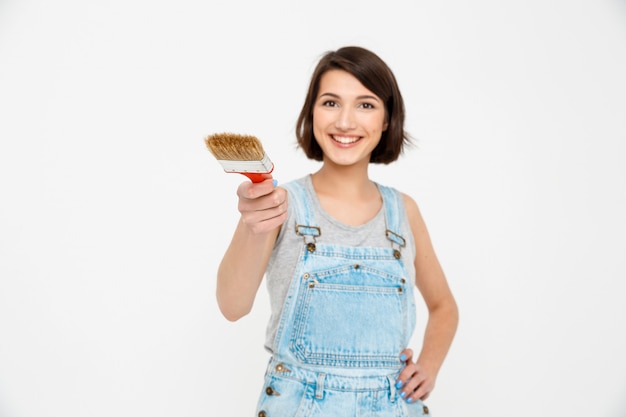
283, 397
416, 409
351, 316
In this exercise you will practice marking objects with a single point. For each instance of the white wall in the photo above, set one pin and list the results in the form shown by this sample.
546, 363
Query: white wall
113, 215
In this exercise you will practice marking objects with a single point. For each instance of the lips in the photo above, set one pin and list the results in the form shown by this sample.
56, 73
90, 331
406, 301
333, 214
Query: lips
345, 140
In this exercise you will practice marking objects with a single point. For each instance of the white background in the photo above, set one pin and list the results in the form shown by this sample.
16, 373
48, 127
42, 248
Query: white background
114, 215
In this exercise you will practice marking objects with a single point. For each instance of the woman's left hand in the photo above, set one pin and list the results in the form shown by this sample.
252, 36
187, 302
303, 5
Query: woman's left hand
415, 381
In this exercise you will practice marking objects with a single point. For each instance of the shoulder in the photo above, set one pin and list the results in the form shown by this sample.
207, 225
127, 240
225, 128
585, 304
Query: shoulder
414, 215
410, 205
296, 184
403, 198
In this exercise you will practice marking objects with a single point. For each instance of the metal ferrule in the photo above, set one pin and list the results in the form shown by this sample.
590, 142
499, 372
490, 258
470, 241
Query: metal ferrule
262, 166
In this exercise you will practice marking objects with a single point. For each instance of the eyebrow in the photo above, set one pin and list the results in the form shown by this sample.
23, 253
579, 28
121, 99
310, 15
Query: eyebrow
333, 95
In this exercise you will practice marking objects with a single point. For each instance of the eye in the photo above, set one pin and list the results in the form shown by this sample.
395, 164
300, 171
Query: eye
367, 105
329, 103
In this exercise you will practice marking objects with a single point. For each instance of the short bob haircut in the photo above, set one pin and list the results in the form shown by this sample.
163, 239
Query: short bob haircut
377, 77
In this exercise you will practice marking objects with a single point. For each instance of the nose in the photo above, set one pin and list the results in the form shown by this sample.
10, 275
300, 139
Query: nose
345, 119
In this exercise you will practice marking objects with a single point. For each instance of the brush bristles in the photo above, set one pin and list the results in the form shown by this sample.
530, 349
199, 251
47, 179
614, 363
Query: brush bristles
235, 147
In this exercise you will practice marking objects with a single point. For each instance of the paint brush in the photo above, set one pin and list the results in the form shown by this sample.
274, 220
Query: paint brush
241, 154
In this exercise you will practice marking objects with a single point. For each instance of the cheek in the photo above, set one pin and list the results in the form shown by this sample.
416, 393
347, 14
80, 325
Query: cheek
379, 127
378, 123
320, 118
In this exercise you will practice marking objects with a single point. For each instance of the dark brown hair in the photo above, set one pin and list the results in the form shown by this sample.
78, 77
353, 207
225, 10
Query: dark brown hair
377, 77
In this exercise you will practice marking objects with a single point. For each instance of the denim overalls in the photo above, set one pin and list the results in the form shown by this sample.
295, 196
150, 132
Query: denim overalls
348, 314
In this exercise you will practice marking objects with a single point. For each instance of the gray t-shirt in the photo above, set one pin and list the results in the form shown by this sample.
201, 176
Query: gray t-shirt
288, 245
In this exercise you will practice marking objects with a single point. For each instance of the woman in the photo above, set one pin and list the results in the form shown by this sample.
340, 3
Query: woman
341, 254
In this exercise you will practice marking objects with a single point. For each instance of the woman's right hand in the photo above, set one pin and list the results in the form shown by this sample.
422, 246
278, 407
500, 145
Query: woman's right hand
263, 205
263, 208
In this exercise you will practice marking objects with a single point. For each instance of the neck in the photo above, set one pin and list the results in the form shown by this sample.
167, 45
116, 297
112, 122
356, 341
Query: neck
344, 181
347, 194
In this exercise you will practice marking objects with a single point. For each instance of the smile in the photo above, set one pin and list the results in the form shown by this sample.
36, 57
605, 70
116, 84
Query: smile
345, 140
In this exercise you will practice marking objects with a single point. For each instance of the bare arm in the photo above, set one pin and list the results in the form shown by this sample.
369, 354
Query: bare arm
263, 210
443, 313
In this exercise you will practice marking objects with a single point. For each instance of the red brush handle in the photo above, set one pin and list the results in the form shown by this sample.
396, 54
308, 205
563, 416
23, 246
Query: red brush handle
257, 176
254, 177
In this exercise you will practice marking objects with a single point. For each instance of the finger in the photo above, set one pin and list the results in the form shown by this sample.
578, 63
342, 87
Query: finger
405, 375
264, 213
262, 208
411, 378
406, 355
268, 224
421, 393
251, 191
414, 383
421, 386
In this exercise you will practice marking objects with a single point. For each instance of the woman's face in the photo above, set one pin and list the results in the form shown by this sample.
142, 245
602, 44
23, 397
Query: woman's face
348, 119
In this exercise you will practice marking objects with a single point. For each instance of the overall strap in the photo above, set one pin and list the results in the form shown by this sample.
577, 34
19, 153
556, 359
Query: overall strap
394, 208
300, 201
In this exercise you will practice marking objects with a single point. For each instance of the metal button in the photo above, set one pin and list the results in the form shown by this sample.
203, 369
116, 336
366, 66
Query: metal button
262, 413
282, 368
396, 254
403, 281
310, 247
357, 266
400, 289
269, 391
311, 285
425, 409
305, 276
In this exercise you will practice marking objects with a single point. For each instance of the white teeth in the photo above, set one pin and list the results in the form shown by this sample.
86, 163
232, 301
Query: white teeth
345, 140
